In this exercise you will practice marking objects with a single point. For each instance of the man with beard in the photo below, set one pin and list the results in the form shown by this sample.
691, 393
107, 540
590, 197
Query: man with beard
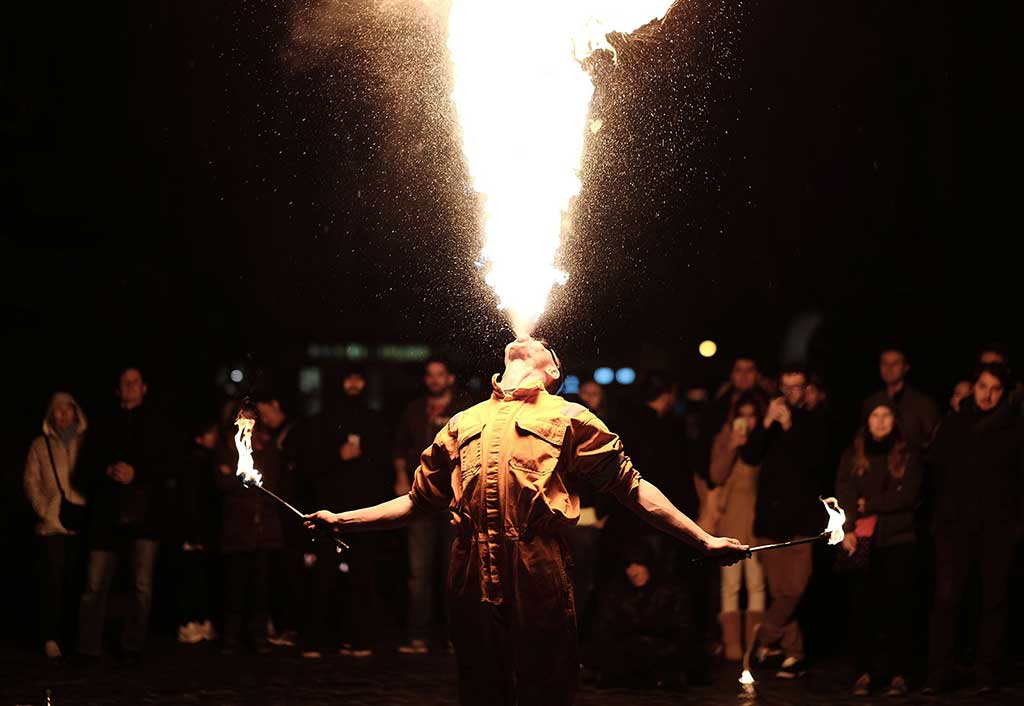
430, 539
346, 465
508, 471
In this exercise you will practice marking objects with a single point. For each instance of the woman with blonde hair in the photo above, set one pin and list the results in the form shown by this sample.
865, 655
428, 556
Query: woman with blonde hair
736, 498
49, 486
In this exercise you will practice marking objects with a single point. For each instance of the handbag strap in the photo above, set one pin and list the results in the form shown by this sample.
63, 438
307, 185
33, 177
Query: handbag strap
53, 466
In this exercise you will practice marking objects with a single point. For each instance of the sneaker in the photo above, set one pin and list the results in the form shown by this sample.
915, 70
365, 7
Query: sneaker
414, 647
862, 687
206, 631
897, 687
189, 634
286, 638
792, 668
312, 654
361, 653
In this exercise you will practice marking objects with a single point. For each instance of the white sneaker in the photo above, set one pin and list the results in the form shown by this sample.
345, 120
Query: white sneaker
206, 631
52, 650
189, 634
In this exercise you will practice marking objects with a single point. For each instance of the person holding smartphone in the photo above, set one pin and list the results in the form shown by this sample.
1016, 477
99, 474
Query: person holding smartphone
736, 500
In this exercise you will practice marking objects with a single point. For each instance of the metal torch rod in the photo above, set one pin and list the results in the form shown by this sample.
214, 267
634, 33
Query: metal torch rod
302, 516
790, 543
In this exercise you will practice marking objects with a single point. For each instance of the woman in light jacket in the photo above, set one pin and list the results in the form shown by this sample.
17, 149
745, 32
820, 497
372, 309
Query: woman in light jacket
736, 498
52, 457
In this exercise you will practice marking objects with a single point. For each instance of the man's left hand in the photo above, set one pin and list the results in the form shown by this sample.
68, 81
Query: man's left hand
727, 550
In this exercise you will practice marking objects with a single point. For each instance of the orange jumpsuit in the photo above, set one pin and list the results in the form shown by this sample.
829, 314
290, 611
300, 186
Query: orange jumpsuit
508, 470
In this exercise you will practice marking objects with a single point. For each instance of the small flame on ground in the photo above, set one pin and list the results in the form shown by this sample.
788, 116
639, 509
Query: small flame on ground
746, 677
836, 520
243, 443
522, 99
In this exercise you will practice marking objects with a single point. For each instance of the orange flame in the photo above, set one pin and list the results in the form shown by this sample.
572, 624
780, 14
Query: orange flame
522, 100
243, 443
836, 520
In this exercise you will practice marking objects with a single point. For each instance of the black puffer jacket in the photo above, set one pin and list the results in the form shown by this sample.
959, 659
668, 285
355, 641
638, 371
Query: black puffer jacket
977, 460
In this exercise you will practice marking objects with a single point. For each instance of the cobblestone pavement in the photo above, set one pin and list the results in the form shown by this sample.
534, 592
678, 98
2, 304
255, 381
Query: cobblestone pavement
181, 675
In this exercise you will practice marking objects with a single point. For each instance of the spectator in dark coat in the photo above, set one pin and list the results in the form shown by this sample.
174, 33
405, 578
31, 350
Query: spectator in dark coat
789, 446
126, 465
879, 485
250, 533
198, 528
977, 459
918, 413
348, 467
744, 379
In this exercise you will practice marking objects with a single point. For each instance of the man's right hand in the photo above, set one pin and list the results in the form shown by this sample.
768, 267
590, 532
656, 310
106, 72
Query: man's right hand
322, 519
727, 550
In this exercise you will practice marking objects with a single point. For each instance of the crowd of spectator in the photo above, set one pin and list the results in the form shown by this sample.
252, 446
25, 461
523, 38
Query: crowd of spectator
931, 499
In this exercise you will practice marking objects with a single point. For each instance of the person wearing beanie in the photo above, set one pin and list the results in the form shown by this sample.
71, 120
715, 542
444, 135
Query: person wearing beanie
49, 475
879, 485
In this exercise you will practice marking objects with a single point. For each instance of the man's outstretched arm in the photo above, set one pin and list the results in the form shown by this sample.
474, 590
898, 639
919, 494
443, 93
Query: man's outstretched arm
397, 512
431, 492
651, 505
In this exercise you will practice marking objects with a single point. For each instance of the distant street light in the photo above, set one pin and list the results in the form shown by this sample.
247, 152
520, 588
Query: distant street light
707, 348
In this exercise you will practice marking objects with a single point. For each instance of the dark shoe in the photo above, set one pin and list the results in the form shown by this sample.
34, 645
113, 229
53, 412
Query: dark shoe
792, 668
229, 647
897, 687
936, 684
862, 687
261, 647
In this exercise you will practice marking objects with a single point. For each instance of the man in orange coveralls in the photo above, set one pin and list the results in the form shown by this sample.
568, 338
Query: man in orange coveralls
508, 470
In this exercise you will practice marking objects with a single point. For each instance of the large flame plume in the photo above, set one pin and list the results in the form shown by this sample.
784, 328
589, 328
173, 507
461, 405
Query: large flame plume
522, 99
243, 443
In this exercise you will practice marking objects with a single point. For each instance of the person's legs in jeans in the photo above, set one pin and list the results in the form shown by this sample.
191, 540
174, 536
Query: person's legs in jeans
753, 575
787, 572
143, 562
862, 618
422, 553
93, 610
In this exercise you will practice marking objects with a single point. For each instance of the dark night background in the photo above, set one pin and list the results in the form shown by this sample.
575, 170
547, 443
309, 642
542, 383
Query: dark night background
188, 186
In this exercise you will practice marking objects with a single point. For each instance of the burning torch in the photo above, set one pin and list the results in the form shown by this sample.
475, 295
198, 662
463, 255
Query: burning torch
252, 478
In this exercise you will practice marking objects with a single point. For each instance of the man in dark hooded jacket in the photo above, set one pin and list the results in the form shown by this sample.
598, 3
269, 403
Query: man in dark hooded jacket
346, 464
977, 459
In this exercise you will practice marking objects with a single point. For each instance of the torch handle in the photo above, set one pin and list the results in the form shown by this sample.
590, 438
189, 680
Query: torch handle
790, 543
777, 545
337, 540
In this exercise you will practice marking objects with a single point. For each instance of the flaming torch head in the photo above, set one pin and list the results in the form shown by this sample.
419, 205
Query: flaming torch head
836, 520
243, 443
